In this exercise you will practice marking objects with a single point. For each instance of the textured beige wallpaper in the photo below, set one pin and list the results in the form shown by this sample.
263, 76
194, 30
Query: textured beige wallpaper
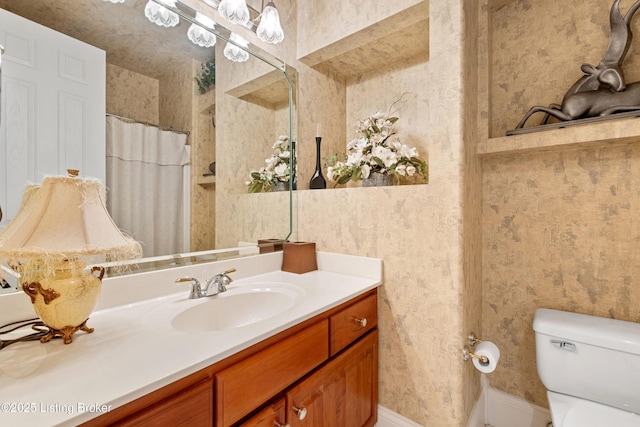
336, 21
432, 283
177, 99
470, 291
560, 230
246, 130
132, 95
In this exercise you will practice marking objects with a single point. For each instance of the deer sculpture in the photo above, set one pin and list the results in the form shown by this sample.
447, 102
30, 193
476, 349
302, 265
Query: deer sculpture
602, 89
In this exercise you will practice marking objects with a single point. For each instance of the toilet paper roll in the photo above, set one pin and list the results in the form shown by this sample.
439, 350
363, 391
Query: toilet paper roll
491, 352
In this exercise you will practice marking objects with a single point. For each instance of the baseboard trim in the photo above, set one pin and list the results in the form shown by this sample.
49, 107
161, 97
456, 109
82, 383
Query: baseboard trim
506, 410
493, 407
388, 418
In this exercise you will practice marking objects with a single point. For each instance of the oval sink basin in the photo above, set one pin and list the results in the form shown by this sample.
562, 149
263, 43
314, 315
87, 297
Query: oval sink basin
239, 306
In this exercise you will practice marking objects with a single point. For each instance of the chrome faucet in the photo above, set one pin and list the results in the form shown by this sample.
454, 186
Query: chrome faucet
219, 282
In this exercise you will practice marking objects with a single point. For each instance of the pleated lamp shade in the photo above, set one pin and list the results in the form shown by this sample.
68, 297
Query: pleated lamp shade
65, 217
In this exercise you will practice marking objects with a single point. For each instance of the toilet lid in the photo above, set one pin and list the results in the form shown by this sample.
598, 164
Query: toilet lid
594, 415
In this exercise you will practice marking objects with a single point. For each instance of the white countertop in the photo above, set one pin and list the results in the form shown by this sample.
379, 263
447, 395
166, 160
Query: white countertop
133, 352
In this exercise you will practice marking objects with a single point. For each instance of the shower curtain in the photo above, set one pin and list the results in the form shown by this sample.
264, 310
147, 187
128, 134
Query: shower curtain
146, 184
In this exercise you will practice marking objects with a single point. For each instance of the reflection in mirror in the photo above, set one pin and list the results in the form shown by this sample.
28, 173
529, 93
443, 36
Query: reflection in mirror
153, 79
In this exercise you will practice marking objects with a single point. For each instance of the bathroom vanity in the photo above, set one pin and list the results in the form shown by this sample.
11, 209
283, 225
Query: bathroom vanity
313, 363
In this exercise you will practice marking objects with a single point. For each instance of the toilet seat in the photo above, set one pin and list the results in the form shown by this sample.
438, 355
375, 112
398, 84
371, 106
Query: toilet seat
567, 411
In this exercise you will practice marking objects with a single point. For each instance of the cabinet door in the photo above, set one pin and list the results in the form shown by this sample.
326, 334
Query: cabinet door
271, 416
344, 392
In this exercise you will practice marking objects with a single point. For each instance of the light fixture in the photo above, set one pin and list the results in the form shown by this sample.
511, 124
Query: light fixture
61, 227
115, 1
160, 15
233, 52
234, 11
269, 30
199, 35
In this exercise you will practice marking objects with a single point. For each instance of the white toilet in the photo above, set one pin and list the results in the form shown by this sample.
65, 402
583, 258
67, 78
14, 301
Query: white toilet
590, 367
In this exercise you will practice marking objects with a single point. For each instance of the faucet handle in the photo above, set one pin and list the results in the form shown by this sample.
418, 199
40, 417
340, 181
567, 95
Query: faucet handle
196, 289
222, 280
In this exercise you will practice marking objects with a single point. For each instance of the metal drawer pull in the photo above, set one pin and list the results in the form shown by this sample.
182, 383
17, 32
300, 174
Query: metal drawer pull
565, 345
279, 424
362, 322
300, 412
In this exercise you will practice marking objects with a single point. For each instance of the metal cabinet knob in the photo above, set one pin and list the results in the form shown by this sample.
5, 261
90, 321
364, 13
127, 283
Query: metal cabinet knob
279, 424
300, 412
362, 322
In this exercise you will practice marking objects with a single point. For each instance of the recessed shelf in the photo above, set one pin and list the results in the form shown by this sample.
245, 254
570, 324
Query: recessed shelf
400, 36
206, 180
270, 88
615, 131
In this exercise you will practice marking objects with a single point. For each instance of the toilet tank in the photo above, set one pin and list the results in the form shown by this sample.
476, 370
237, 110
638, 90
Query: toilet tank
589, 357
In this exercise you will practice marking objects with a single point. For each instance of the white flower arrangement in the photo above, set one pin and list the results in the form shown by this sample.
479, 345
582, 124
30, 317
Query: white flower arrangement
377, 149
276, 168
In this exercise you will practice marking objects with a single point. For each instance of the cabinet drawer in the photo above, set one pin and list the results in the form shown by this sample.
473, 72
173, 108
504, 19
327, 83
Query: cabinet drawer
271, 416
190, 407
251, 382
352, 322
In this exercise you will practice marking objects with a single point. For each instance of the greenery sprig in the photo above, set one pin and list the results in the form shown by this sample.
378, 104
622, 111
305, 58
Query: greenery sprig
207, 75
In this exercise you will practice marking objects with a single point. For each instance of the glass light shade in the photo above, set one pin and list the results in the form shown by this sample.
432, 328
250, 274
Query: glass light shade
199, 35
115, 1
234, 11
233, 52
269, 30
160, 15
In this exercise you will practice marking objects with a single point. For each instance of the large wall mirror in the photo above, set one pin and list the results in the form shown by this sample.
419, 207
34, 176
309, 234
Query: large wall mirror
152, 78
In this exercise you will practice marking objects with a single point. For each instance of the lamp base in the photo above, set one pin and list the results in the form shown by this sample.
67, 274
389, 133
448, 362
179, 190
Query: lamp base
64, 301
66, 332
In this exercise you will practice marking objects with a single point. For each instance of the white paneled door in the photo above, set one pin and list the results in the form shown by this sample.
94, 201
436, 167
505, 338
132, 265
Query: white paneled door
53, 108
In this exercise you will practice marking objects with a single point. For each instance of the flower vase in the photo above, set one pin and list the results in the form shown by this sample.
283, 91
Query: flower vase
377, 179
317, 180
281, 186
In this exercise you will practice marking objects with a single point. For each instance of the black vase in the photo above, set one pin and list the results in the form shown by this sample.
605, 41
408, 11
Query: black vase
317, 180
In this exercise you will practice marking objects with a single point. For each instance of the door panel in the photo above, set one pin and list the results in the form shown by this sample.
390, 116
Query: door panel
53, 108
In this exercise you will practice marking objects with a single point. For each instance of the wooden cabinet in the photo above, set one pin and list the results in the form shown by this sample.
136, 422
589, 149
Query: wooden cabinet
325, 367
341, 393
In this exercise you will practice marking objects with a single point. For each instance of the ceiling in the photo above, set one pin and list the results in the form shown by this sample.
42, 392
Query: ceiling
129, 38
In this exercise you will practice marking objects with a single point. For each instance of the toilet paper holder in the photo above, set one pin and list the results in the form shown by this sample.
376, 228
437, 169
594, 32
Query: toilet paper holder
466, 352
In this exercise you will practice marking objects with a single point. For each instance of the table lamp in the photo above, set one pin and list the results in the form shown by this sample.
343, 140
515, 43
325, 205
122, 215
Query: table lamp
61, 227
